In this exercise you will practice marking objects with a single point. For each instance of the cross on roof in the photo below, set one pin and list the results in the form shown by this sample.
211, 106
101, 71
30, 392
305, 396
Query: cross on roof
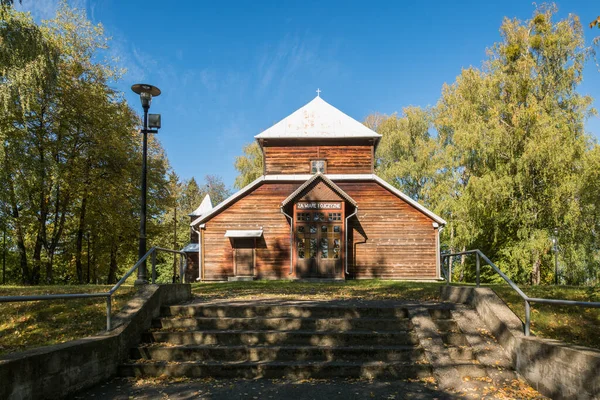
318, 92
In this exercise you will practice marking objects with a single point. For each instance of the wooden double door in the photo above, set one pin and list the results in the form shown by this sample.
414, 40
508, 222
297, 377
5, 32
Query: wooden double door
319, 243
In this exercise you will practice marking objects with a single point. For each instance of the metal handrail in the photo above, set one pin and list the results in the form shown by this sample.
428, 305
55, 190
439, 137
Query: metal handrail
67, 296
527, 299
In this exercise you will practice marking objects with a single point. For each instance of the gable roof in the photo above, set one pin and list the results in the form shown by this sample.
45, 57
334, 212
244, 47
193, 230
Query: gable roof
327, 181
318, 119
304, 177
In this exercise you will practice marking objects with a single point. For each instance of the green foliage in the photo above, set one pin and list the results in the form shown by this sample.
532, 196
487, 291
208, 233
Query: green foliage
185, 197
71, 154
511, 160
249, 165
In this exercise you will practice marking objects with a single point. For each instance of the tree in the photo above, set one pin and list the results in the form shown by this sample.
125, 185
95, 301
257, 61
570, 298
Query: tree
249, 165
406, 155
71, 153
7, 3
515, 131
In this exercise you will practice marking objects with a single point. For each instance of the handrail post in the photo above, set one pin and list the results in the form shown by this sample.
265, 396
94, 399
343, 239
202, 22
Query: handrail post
154, 267
527, 318
108, 312
477, 266
449, 270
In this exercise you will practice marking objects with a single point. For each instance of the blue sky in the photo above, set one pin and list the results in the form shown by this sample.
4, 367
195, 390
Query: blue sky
230, 69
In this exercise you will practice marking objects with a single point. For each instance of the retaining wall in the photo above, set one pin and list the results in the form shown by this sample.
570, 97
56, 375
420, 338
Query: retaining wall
556, 369
56, 371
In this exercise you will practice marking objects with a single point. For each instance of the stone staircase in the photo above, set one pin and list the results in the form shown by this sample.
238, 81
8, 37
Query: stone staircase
320, 340
288, 339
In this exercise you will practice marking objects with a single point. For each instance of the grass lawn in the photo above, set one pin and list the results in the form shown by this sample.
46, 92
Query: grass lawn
359, 289
41, 323
570, 324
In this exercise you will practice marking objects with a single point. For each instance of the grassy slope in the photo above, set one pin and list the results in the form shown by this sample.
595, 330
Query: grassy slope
363, 289
41, 323
34, 324
575, 325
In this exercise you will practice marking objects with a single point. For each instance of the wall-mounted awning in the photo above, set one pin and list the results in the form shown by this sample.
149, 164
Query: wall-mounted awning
244, 233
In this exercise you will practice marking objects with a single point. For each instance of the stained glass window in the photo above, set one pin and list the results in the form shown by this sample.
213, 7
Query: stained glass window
313, 248
301, 249
336, 248
324, 248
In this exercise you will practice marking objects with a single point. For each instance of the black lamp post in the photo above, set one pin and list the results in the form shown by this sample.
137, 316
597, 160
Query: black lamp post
146, 93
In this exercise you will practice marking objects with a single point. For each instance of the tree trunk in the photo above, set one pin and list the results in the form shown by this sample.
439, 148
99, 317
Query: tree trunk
463, 258
37, 259
25, 276
112, 270
536, 275
59, 224
88, 257
79, 245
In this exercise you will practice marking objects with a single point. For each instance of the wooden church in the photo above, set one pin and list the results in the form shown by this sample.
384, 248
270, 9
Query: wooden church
317, 212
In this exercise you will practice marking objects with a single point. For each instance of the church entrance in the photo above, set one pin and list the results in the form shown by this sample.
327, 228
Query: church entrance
319, 239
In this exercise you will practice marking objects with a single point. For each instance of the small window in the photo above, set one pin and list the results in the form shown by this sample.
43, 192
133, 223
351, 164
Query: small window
335, 216
337, 229
318, 166
303, 217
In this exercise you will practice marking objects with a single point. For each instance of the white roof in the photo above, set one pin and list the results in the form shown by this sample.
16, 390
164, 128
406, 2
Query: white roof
303, 177
205, 207
318, 119
244, 233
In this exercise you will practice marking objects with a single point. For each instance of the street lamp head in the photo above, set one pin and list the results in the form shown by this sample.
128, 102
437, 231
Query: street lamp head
146, 93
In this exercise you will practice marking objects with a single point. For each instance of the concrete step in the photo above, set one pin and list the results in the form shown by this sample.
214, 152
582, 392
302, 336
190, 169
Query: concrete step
440, 313
461, 353
455, 339
282, 311
275, 370
249, 338
278, 353
446, 325
286, 324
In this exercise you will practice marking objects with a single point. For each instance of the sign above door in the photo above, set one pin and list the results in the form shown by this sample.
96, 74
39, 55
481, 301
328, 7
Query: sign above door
318, 206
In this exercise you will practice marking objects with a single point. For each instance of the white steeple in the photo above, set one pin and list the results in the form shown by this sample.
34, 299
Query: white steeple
205, 207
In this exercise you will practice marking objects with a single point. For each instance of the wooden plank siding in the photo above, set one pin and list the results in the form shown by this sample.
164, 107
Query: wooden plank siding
390, 239
259, 208
355, 159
